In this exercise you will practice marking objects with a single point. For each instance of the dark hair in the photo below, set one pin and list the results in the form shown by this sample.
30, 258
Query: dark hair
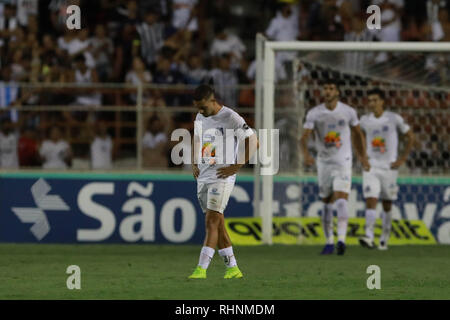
331, 81
79, 58
203, 91
219, 28
376, 91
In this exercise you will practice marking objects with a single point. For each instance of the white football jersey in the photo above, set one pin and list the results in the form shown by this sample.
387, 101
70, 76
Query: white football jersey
8, 150
219, 142
332, 132
54, 154
382, 137
101, 153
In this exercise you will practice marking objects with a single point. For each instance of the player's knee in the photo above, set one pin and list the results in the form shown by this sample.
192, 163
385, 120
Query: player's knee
342, 208
213, 220
371, 203
387, 206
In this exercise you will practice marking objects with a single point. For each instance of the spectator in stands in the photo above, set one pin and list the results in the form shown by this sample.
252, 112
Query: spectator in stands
85, 75
18, 71
225, 82
82, 45
27, 10
225, 42
138, 75
435, 30
166, 75
126, 48
129, 13
8, 23
284, 27
184, 15
391, 23
8, 145
152, 34
28, 148
65, 40
102, 50
55, 152
9, 93
194, 71
280, 71
101, 148
358, 32
154, 143
58, 16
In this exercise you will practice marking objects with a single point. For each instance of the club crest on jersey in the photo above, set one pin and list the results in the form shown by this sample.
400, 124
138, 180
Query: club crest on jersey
341, 123
385, 128
379, 144
333, 139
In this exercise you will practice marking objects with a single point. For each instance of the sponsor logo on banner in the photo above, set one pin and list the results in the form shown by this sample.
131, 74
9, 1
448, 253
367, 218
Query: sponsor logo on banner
44, 202
145, 208
247, 231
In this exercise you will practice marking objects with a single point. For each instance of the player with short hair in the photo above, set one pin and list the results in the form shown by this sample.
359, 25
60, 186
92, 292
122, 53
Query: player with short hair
381, 128
215, 165
333, 124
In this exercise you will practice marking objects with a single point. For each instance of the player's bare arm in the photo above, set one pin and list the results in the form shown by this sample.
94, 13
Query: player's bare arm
354, 143
194, 156
250, 150
409, 136
308, 159
360, 146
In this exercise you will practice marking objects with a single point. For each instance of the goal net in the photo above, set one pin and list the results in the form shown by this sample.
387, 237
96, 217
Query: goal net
415, 78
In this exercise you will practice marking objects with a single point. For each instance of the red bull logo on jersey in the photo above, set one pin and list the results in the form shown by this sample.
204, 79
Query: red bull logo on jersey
379, 144
333, 139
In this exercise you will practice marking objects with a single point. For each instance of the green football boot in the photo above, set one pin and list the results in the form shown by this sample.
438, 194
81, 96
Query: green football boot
199, 273
233, 272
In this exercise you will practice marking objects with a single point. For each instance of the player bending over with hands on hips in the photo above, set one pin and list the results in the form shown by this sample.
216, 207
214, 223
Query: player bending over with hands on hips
333, 124
217, 156
381, 128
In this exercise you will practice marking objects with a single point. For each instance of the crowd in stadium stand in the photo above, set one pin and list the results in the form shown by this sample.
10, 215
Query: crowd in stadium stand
168, 42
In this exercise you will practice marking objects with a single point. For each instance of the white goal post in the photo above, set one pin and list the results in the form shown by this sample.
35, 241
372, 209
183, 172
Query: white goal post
265, 92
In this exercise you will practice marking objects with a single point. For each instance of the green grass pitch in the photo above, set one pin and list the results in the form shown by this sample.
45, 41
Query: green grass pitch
277, 272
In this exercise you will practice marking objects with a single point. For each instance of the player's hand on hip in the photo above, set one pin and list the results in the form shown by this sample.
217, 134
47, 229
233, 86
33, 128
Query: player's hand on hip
195, 171
397, 164
225, 172
309, 161
366, 164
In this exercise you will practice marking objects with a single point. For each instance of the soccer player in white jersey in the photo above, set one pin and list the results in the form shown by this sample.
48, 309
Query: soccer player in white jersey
381, 128
333, 124
217, 153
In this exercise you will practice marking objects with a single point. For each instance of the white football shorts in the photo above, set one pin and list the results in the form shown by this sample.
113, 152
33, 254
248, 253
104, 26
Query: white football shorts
214, 196
380, 183
332, 178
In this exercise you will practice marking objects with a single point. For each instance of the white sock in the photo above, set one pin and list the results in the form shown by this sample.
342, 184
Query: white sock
206, 255
387, 223
342, 216
371, 215
228, 257
327, 222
